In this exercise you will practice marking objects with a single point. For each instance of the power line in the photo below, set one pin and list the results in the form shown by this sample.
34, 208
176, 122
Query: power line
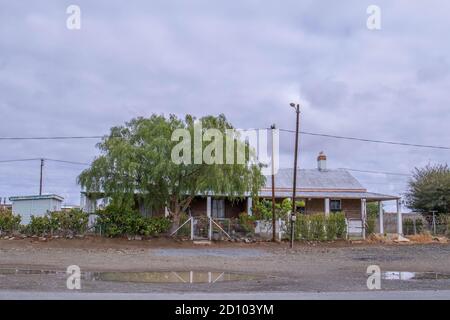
51, 138
283, 130
368, 140
69, 162
46, 159
19, 160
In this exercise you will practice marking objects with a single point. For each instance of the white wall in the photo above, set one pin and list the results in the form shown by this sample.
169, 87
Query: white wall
40, 207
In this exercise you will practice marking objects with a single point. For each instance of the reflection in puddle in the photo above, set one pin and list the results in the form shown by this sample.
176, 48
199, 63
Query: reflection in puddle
405, 275
145, 277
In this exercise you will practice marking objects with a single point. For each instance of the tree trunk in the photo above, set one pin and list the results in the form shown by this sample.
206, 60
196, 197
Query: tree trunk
175, 219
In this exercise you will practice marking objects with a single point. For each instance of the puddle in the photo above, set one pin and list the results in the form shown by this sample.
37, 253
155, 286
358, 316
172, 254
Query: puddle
224, 252
408, 276
145, 277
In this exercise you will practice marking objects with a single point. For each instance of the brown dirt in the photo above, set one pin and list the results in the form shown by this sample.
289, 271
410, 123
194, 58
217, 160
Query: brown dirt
309, 266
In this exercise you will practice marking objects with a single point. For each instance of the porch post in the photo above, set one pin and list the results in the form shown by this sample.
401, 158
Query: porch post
327, 207
249, 206
363, 216
380, 217
208, 207
399, 218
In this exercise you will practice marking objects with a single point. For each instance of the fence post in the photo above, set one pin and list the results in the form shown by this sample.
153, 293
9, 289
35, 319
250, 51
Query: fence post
434, 222
192, 228
210, 229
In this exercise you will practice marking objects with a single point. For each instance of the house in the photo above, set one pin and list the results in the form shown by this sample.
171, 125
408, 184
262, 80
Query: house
323, 190
39, 205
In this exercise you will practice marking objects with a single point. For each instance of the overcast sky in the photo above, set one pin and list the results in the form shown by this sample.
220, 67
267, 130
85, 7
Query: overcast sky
247, 59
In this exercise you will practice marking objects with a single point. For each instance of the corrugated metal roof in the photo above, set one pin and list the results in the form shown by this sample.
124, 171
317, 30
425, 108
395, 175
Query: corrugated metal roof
315, 179
329, 194
41, 197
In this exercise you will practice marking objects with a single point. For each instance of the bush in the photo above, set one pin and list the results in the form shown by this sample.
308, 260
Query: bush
302, 227
9, 222
247, 222
371, 223
74, 221
319, 227
341, 224
39, 225
115, 221
408, 226
331, 227
58, 223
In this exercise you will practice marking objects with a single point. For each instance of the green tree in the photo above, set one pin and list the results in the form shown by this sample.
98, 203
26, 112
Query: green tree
429, 189
136, 164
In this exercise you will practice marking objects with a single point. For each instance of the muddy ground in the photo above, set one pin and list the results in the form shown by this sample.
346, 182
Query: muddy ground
338, 266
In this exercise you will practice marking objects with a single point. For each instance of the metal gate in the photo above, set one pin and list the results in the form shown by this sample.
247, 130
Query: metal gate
201, 228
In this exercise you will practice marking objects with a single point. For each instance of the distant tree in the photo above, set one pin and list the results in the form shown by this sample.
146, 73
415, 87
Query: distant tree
136, 165
429, 189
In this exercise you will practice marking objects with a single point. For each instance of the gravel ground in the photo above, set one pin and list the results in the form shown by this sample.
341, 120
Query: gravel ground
331, 267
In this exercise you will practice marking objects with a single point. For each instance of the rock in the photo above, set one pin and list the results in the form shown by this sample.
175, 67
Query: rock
137, 238
401, 239
42, 239
440, 239
69, 236
12, 238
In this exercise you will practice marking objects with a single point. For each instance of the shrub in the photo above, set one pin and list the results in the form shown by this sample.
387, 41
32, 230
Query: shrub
74, 221
408, 226
317, 226
115, 221
419, 225
58, 223
247, 222
9, 222
302, 227
341, 225
371, 223
331, 227
39, 225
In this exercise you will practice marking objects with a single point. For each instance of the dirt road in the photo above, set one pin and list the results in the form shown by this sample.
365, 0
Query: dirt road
330, 267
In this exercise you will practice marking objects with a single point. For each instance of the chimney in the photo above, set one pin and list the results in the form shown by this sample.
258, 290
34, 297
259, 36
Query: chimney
322, 161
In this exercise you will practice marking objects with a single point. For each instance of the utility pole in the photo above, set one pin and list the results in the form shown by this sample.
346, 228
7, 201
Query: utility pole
40, 182
274, 236
293, 217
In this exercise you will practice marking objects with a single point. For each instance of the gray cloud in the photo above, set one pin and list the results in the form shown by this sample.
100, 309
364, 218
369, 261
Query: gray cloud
247, 59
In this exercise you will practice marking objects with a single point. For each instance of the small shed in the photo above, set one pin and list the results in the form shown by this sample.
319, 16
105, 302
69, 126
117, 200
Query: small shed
39, 205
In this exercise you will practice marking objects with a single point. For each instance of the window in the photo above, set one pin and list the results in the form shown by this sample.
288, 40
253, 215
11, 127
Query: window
218, 208
335, 205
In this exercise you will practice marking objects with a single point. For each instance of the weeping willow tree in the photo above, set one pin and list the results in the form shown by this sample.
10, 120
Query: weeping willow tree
160, 161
